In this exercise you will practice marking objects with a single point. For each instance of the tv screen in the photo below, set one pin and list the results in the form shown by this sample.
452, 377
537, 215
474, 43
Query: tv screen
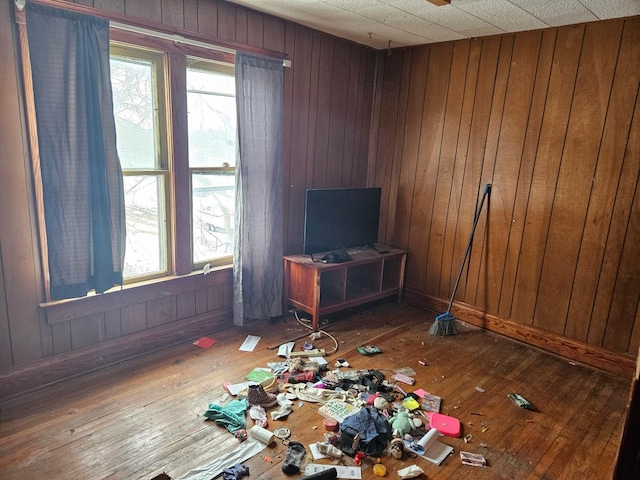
340, 217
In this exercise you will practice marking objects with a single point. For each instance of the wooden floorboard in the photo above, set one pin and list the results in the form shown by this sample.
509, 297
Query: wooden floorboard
144, 417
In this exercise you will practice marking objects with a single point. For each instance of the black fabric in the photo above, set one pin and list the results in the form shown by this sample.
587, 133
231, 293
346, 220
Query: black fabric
258, 244
81, 177
295, 455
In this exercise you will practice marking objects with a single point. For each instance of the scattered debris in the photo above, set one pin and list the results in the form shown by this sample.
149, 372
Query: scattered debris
204, 342
520, 401
473, 459
369, 350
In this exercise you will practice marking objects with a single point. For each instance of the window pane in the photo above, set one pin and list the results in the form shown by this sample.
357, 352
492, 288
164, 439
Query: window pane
212, 119
145, 254
213, 215
135, 112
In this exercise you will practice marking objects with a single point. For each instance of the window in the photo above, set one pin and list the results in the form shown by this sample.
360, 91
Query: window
136, 85
212, 154
141, 107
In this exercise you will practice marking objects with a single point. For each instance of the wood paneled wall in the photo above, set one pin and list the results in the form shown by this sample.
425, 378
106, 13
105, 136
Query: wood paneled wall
328, 98
552, 120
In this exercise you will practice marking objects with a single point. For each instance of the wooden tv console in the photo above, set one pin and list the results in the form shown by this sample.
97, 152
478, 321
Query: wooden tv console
322, 288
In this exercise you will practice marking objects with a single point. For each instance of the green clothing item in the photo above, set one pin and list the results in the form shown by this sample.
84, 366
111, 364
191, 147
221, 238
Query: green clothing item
230, 416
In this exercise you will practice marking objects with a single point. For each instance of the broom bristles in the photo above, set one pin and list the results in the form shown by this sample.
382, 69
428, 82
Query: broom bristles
445, 324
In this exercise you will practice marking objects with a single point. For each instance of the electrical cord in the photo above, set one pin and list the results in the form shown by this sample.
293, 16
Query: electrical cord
324, 332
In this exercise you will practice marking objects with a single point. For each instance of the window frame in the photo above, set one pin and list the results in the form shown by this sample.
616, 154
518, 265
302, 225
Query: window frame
197, 63
162, 151
173, 138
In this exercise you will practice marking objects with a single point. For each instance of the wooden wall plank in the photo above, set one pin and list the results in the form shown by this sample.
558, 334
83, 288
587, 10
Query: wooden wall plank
147, 9
617, 232
208, 17
428, 158
172, 13
527, 162
6, 358
61, 337
314, 98
298, 125
255, 34
449, 270
626, 294
508, 157
133, 318
605, 183
215, 298
487, 253
339, 80
190, 15
365, 121
274, 33
575, 178
322, 140
201, 301
446, 166
382, 163
87, 331
186, 305
112, 327
388, 216
242, 25
110, 5
549, 152
287, 154
481, 115
162, 311
411, 141
226, 21
351, 104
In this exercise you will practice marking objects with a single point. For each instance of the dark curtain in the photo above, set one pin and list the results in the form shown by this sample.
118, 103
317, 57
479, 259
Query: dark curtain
257, 261
81, 176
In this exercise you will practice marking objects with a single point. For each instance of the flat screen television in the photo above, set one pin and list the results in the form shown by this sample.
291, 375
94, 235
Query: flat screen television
340, 218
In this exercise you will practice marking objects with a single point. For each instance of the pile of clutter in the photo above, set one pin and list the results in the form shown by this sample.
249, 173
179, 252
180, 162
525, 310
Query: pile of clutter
366, 415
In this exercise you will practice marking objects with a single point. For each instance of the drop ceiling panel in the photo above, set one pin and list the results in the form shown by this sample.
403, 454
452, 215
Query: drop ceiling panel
415, 22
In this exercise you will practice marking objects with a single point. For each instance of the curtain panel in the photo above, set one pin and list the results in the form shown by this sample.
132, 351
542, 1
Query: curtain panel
82, 181
257, 261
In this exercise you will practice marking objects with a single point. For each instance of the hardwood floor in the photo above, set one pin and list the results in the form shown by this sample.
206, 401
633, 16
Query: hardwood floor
144, 417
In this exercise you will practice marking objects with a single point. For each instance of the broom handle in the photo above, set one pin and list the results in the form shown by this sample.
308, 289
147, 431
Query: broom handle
487, 189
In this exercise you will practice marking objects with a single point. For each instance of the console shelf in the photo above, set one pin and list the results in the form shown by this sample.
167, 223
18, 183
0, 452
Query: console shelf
322, 288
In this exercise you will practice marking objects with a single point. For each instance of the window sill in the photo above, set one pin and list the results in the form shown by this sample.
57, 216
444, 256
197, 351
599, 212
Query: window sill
134, 293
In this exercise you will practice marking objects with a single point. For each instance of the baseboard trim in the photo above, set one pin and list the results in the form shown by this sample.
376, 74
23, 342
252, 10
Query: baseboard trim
597, 357
46, 372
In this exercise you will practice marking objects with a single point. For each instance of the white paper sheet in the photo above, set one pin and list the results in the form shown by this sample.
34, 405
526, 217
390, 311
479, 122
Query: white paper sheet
285, 349
249, 343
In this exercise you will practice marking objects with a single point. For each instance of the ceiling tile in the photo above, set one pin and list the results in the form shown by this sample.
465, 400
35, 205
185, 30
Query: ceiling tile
612, 8
416, 22
504, 15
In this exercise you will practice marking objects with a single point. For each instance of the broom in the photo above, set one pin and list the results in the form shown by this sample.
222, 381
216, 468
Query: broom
445, 323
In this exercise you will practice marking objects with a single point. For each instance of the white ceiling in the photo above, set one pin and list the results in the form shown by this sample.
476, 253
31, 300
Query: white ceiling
396, 23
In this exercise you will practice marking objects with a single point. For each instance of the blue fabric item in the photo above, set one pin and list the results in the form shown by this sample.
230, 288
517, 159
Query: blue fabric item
369, 423
230, 416
236, 472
